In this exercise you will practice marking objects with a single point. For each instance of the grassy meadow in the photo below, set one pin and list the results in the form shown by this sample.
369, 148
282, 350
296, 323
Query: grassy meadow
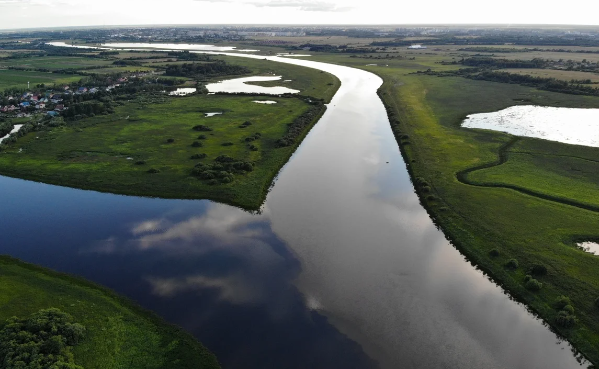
15, 78
118, 333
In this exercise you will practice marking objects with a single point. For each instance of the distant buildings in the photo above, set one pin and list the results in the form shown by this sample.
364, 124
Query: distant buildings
416, 46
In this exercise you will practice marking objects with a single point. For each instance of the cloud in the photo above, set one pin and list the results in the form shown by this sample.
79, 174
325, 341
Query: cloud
308, 6
303, 5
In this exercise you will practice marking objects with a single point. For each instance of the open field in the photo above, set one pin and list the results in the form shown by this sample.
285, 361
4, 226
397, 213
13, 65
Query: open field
100, 153
54, 62
19, 79
565, 75
118, 333
426, 112
119, 69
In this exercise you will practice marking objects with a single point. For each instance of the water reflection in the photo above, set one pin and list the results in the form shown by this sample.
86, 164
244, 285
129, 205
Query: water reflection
238, 85
371, 260
183, 91
566, 125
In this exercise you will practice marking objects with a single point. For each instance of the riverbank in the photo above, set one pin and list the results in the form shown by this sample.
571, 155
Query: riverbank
492, 225
118, 332
157, 146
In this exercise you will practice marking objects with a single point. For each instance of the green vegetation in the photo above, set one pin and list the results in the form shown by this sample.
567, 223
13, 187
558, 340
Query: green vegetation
101, 153
508, 233
10, 78
44, 340
67, 320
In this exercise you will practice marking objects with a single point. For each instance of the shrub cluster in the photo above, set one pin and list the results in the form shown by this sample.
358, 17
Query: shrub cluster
222, 170
202, 128
296, 128
44, 340
565, 317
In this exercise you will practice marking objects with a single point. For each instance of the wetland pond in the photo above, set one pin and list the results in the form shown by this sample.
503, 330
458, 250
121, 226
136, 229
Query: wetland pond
566, 125
240, 85
183, 91
342, 268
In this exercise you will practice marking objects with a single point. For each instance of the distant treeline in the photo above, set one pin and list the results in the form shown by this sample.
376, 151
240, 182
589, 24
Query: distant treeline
573, 87
483, 49
519, 39
487, 62
217, 68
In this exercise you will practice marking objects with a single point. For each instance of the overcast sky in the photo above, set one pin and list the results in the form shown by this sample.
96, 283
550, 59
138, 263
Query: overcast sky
55, 13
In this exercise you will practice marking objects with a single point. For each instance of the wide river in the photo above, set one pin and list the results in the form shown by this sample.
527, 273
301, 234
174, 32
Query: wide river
343, 268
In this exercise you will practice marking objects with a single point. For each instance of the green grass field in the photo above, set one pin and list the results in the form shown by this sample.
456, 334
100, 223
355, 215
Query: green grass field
100, 153
19, 79
119, 334
479, 219
54, 62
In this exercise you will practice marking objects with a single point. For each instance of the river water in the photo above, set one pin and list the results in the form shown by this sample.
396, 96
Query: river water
342, 268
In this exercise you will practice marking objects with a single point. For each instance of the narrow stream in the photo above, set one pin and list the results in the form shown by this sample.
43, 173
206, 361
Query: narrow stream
343, 268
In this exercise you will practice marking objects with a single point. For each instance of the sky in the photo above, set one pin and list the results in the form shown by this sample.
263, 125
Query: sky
60, 13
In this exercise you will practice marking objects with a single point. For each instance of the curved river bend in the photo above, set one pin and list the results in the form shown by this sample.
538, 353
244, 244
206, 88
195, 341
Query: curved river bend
342, 269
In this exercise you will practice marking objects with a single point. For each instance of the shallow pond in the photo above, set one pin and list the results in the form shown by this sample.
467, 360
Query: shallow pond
237, 85
211, 114
590, 247
15, 129
267, 102
183, 91
566, 125
342, 267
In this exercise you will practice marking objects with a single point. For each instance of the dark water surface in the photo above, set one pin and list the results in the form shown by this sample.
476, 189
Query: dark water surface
342, 269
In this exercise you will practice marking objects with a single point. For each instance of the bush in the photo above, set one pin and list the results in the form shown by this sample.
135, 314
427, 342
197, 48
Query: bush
202, 128
538, 269
431, 198
568, 309
196, 144
597, 302
562, 302
494, 253
197, 156
202, 137
253, 148
153, 171
44, 340
565, 320
227, 144
533, 285
140, 162
512, 264
170, 140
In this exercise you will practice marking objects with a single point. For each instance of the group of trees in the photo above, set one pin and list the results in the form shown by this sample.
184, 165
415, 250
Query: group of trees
42, 341
296, 128
211, 69
487, 62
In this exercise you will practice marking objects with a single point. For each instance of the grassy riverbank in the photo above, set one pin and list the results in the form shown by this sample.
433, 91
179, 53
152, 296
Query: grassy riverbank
160, 146
531, 206
118, 333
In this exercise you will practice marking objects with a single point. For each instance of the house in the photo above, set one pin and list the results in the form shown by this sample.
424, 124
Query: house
53, 113
82, 90
59, 107
24, 104
4, 109
40, 106
44, 100
34, 98
12, 108
416, 46
93, 90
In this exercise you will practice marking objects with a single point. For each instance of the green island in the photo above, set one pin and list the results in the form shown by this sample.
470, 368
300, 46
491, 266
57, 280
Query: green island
124, 134
52, 318
515, 206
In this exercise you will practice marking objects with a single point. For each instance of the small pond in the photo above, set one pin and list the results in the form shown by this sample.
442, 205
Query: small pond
566, 125
240, 85
267, 102
16, 129
183, 91
590, 247
211, 114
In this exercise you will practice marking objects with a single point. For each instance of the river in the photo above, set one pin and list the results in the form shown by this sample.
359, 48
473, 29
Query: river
342, 268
